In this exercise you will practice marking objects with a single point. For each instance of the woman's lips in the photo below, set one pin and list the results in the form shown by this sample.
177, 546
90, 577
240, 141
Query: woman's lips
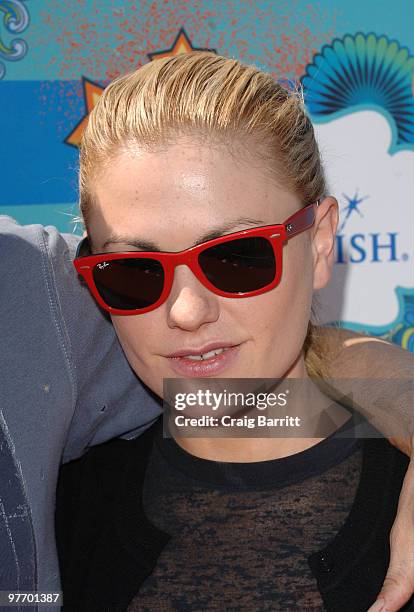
207, 367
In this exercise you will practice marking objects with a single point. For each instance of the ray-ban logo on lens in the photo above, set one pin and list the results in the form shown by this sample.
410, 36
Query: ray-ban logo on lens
103, 265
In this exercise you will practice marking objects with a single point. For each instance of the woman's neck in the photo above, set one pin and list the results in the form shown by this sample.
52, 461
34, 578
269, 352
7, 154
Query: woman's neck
320, 415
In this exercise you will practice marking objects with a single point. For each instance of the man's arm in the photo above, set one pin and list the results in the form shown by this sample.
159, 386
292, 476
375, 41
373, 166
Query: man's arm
64, 385
379, 376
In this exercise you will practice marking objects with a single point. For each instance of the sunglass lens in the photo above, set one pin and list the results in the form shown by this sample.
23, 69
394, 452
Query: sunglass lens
129, 284
239, 266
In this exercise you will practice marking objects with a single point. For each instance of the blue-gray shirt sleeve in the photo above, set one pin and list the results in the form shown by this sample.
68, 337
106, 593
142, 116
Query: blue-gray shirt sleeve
59, 351
65, 385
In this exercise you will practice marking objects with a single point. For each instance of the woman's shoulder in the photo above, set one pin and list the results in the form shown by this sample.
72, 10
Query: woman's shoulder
94, 482
385, 460
90, 492
112, 455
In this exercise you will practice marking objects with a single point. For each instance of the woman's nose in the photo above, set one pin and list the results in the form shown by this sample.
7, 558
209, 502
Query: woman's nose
190, 304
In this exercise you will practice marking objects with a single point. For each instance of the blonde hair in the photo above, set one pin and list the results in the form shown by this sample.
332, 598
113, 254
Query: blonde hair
204, 95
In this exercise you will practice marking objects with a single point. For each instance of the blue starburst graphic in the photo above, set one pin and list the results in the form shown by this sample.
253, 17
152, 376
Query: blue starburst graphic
353, 204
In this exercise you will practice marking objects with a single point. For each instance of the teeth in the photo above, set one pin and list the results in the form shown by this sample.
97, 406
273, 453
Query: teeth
206, 355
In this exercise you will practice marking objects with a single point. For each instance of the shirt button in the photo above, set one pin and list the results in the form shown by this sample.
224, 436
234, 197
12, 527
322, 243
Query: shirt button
325, 563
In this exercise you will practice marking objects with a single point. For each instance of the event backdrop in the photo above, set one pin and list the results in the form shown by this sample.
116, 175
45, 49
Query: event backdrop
354, 59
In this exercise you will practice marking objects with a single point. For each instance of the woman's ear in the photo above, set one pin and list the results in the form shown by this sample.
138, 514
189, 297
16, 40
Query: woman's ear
323, 241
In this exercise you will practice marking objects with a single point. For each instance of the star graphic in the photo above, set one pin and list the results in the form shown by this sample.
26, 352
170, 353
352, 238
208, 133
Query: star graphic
92, 91
181, 44
352, 207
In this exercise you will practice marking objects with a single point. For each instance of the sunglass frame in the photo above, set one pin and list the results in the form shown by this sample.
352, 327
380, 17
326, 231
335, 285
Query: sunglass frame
276, 234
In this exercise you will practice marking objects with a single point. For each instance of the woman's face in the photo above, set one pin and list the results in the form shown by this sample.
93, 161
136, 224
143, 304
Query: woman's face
172, 198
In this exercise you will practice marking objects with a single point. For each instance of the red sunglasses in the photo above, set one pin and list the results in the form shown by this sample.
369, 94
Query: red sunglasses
237, 265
